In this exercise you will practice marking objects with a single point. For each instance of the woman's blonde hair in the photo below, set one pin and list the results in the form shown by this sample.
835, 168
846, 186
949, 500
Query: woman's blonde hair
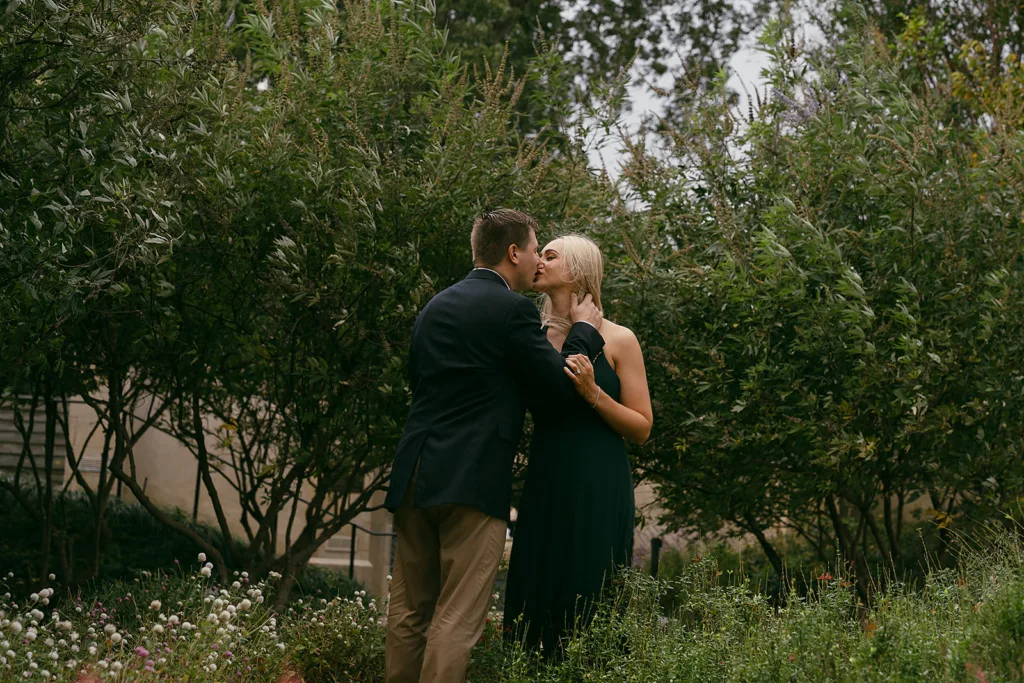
585, 266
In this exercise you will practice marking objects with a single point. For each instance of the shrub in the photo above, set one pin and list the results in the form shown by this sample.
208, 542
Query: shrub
963, 625
135, 544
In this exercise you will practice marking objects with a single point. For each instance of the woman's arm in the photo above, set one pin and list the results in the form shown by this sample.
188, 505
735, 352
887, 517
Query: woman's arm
536, 362
633, 417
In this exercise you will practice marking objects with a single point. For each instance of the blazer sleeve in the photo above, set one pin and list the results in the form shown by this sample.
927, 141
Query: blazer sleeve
538, 363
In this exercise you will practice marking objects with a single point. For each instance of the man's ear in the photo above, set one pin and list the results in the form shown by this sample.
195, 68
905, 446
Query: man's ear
513, 254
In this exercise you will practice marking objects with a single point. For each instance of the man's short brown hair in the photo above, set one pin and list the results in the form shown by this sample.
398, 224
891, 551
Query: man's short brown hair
494, 231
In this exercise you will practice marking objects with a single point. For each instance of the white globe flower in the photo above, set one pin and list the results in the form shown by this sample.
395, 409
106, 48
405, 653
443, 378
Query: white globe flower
115, 638
158, 629
155, 605
16, 627
205, 571
202, 557
244, 605
109, 628
116, 666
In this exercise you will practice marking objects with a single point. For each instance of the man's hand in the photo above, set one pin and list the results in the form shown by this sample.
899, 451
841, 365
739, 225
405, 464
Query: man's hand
585, 311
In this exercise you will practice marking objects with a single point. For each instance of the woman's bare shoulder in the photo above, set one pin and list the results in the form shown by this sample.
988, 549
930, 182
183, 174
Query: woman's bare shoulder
618, 338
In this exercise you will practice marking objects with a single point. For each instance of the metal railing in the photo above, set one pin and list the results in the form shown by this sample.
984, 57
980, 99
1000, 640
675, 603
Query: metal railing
352, 547
655, 555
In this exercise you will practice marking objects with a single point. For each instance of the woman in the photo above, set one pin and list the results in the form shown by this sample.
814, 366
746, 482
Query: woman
575, 523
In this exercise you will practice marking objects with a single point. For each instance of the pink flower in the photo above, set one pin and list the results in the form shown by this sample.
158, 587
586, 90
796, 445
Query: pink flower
141, 651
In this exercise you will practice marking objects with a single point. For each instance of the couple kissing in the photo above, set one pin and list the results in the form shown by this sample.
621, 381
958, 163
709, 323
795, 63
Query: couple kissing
481, 355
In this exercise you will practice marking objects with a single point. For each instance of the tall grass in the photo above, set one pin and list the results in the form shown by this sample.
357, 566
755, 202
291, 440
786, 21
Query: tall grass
965, 624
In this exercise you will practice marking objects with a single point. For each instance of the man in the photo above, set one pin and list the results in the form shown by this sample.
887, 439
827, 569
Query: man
478, 358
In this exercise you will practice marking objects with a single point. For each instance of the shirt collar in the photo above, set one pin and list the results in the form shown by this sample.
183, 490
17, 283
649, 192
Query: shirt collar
496, 273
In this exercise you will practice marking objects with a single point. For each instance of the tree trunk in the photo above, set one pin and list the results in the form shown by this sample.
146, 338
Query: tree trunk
50, 436
848, 546
890, 528
942, 552
204, 468
169, 522
766, 546
883, 545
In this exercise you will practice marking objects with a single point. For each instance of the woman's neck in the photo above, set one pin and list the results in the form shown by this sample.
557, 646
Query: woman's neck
561, 302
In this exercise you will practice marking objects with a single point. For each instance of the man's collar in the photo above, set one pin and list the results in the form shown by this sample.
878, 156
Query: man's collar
484, 271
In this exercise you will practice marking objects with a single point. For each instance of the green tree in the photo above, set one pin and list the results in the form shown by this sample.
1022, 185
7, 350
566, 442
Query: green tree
831, 303
283, 189
81, 212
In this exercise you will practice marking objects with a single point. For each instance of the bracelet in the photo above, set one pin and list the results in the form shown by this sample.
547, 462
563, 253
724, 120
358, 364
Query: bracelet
598, 398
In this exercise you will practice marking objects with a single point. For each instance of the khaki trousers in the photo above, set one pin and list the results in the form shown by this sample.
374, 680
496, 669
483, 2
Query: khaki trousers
445, 566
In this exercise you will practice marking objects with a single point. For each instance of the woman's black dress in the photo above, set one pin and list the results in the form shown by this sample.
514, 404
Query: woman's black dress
575, 523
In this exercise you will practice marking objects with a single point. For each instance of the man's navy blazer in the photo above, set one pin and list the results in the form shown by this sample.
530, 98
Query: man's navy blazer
478, 359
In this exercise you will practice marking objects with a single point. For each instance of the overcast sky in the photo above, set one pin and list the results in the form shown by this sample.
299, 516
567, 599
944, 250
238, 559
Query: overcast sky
745, 77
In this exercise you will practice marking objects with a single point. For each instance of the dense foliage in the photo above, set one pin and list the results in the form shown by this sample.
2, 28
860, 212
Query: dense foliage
221, 225
828, 287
